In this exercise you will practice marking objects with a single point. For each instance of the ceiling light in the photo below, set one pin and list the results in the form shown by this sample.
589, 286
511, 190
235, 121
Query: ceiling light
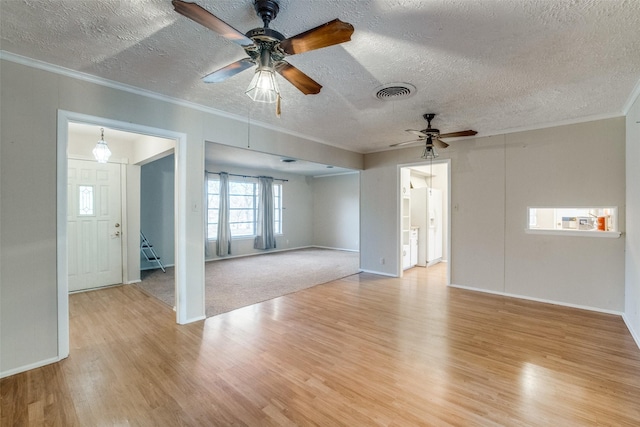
263, 86
101, 151
429, 152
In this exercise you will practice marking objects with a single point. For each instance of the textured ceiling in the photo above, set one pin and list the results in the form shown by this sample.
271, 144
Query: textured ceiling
491, 66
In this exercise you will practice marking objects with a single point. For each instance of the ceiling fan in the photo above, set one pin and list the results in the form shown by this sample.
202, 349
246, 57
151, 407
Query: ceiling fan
432, 136
267, 48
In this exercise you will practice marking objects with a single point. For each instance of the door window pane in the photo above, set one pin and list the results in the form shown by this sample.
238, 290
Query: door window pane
85, 200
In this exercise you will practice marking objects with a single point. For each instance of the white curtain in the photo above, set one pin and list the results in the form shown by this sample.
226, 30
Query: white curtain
265, 238
223, 243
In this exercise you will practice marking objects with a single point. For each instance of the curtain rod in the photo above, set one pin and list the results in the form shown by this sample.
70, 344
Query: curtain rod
247, 176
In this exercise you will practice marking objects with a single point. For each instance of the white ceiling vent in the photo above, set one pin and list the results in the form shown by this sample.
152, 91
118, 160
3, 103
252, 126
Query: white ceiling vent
394, 91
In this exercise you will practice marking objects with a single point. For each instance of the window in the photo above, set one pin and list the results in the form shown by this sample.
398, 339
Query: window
243, 208
277, 208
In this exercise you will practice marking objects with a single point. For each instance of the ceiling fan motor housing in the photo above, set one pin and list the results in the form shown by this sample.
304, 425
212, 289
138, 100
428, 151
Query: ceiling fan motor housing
429, 131
267, 10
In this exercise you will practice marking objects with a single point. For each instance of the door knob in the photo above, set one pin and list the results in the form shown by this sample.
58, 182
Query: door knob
117, 225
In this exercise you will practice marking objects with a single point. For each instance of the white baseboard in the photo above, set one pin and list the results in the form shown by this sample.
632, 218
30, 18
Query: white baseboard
632, 331
25, 368
156, 267
193, 319
378, 273
132, 282
270, 251
335, 249
546, 301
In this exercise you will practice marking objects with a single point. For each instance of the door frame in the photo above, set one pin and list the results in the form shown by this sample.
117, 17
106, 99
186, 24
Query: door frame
63, 120
447, 232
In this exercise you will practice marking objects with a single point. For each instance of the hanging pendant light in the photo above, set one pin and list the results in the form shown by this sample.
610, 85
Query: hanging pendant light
101, 151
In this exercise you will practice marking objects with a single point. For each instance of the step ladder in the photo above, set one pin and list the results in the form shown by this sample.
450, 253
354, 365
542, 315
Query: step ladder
147, 250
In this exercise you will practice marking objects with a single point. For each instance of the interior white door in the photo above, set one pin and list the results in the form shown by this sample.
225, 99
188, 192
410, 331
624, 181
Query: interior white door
94, 216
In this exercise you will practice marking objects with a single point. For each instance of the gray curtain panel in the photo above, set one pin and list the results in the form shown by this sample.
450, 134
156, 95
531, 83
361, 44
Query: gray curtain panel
265, 238
223, 244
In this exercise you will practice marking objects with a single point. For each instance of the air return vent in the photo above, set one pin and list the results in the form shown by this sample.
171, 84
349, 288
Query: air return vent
394, 91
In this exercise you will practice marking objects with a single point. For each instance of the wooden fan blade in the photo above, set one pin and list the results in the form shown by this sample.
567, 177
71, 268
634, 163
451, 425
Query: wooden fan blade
440, 143
416, 132
461, 133
304, 83
212, 22
333, 32
230, 70
413, 141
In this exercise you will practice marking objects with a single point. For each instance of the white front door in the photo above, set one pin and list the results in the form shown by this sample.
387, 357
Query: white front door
94, 224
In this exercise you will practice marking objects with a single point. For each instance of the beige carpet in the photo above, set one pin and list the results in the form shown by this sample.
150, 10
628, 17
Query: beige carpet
238, 282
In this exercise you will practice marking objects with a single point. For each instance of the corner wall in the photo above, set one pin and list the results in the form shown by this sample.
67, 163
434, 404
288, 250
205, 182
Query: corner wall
157, 209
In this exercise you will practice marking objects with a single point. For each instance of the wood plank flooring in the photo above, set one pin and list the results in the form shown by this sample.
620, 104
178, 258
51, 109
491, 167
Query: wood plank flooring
362, 351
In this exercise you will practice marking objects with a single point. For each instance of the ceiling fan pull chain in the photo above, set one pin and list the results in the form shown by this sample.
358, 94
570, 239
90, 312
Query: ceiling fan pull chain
278, 110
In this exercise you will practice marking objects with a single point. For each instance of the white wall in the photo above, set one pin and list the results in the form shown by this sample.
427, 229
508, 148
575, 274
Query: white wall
632, 248
28, 292
380, 213
32, 96
297, 214
577, 165
157, 209
336, 211
493, 180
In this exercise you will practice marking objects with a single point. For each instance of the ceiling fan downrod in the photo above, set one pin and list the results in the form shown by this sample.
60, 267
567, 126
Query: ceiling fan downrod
267, 10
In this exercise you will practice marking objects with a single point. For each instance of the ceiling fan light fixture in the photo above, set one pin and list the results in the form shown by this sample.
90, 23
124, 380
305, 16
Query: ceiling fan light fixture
101, 151
429, 152
263, 86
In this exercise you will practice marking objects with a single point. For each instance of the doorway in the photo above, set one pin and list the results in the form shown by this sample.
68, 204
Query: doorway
129, 226
425, 215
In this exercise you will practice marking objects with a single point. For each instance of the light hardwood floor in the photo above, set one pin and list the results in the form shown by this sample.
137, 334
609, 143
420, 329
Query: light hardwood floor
365, 350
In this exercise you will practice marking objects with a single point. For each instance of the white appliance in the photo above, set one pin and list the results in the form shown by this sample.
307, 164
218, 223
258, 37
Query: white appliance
426, 216
414, 246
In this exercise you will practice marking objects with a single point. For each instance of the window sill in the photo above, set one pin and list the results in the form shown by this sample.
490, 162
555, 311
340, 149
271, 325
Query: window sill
579, 233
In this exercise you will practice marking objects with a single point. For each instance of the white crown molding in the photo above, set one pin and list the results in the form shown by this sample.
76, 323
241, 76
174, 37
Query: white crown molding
56, 69
555, 124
